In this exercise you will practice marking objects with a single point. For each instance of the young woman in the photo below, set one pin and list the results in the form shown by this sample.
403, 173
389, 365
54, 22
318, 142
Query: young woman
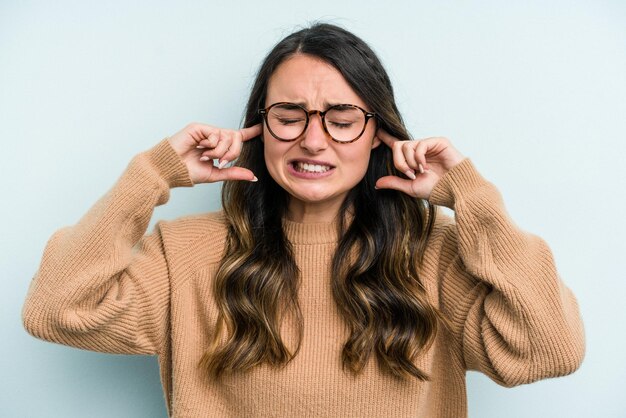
329, 284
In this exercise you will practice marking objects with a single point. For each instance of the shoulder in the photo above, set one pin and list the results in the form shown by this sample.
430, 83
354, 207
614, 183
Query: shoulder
442, 243
443, 231
191, 225
201, 235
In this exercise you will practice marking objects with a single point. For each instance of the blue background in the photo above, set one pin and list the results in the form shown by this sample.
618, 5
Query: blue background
534, 92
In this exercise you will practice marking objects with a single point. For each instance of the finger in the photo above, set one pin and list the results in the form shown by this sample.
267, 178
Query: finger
234, 150
199, 131
386, 137
221, 148
395, 183
211, 140
434, 146
421, 150
408, 150
232, 173
251, 132
400, 161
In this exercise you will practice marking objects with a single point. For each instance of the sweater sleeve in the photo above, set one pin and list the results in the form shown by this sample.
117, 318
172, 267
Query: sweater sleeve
513, 318
102, 285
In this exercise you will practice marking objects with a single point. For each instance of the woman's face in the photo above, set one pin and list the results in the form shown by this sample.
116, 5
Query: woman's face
316, 85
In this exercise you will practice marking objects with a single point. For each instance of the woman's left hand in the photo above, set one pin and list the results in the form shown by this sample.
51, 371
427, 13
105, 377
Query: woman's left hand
424, 161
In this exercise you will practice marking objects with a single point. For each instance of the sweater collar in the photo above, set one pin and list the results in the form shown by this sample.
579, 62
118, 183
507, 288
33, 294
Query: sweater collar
311, 233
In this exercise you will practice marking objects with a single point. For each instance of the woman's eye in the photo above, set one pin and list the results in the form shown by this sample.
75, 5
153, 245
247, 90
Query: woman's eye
342, 125
289, 121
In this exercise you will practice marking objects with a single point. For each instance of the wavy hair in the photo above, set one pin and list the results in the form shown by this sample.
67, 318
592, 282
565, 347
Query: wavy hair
378, 290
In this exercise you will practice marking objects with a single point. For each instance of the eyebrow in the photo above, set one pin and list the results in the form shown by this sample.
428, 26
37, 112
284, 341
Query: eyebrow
326, 104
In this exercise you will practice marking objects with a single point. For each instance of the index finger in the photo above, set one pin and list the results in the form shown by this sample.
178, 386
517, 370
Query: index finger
386, 137
251, 132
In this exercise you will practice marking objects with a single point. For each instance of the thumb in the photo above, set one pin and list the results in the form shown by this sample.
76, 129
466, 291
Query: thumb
395, 183
232, 173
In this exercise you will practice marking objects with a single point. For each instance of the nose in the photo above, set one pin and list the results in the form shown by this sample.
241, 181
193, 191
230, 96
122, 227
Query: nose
315, 137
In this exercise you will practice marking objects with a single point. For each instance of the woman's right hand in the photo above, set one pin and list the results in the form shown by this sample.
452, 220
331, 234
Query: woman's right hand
198, 144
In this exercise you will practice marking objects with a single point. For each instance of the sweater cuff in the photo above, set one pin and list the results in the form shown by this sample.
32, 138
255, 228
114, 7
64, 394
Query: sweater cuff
169, 165
461, 178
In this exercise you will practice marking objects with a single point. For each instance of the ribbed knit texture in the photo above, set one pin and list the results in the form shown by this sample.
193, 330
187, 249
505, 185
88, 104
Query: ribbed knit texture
103, 285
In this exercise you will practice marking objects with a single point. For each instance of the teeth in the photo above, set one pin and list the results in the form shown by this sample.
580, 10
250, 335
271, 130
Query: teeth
310, 168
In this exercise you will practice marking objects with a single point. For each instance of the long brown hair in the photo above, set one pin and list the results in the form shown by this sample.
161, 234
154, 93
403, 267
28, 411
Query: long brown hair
378, 291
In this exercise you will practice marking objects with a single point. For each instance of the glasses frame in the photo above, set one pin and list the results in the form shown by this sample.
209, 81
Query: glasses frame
309, 113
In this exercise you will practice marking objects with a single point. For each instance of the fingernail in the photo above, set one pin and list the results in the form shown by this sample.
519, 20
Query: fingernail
204, 158
254, 179
222, 164
200, 147
421, 168
410, 174
376, 187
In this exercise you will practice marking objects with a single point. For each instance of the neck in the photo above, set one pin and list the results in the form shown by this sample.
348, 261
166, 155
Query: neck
313, 212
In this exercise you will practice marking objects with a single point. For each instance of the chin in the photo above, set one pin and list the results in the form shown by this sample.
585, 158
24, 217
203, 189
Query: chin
315, 196
311, 197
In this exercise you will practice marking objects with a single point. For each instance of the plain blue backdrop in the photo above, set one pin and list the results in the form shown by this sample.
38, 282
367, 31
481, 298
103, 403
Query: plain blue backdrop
534, 92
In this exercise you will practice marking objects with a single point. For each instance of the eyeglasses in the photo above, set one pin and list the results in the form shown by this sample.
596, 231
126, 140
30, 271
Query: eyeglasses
344, 123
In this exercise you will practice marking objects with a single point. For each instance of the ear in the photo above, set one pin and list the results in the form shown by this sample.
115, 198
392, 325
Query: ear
376, 141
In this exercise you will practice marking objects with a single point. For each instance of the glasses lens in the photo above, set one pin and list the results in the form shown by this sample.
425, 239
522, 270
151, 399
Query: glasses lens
344, 123
286, 121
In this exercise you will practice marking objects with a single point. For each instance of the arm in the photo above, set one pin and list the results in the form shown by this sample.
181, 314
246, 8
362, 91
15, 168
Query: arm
512, 316
101, 285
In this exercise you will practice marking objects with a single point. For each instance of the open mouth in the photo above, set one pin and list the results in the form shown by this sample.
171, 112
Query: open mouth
310, 168
302, 167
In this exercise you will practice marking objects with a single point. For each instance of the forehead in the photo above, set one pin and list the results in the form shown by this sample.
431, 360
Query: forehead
310, 81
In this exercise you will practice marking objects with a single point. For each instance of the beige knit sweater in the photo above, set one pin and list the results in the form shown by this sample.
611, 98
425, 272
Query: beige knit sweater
102, 285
